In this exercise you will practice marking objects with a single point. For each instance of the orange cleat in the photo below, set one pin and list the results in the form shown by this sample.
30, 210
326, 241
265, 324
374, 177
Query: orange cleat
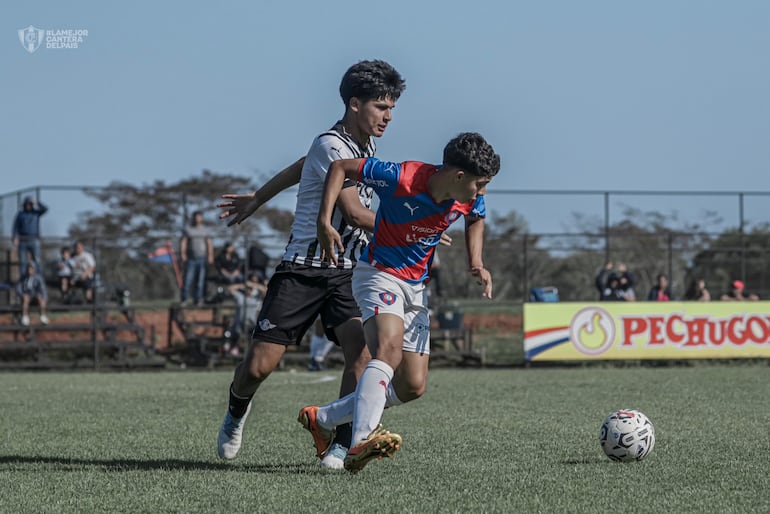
322, 438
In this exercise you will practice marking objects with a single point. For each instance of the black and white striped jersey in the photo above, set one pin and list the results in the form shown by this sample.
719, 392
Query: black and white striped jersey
303, 247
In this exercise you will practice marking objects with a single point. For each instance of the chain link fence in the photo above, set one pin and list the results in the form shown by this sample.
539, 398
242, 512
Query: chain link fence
520, 259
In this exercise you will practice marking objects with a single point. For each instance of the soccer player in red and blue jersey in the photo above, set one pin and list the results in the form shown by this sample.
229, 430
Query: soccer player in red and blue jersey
418, 202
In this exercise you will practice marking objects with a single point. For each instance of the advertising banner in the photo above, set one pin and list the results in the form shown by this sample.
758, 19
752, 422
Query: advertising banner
646, 330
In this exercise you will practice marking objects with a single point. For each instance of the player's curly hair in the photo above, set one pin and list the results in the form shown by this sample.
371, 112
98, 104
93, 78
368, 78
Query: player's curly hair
470, 152
371, 80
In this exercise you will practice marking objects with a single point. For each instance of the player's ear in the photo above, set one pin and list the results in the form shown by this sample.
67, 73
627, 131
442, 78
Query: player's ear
459, 175
355, 104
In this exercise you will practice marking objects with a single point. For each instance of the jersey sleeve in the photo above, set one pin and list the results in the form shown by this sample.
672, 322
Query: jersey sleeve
382, 176
326, 149
479, 209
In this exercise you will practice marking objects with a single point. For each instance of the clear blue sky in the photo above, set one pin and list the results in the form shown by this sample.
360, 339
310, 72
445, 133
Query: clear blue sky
652, 95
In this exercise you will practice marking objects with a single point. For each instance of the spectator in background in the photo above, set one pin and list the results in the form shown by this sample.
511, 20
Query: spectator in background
660, 292
435, 276
197, 252
248, 302
26, 233
608, 285
64, 271
626, 283
258, 261
320, 346
32, 287
738, 293
83, 270
229, 266
697, 292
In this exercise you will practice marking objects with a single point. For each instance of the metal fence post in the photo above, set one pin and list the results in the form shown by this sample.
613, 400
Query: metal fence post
94, 296
525, 277
607, 226
741, 223
670, 250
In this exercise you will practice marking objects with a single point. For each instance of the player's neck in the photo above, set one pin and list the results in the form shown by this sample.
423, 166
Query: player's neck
351, 129
437, 188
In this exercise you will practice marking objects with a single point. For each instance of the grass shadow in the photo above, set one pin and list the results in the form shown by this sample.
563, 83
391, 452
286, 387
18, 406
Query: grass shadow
585, 460
18, 462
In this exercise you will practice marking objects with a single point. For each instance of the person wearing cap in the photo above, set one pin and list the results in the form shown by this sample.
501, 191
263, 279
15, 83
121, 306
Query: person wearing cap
26, 233
738, 293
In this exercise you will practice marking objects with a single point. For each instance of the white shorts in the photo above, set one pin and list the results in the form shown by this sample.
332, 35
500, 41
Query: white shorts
377, 292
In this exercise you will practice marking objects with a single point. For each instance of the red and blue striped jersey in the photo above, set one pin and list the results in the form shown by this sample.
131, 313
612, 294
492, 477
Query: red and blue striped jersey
409, 222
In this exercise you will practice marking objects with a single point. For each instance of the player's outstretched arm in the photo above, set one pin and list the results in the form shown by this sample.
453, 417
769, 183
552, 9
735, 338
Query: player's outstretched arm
328, 237
474, 242
240, 207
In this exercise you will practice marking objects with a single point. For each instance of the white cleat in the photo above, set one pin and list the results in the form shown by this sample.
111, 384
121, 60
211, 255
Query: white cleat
230, 435
335, 457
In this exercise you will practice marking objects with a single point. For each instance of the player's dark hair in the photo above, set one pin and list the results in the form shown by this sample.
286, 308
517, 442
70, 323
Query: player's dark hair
471, 153
371, 80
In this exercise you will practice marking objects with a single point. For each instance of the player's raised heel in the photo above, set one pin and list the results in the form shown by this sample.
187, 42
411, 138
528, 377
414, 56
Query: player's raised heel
322, 438
231, 435
379, 444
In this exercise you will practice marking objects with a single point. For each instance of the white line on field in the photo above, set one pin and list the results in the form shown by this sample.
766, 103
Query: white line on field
307, 378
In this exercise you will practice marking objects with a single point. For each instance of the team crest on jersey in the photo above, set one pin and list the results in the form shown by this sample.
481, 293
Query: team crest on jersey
451, 216
388, 298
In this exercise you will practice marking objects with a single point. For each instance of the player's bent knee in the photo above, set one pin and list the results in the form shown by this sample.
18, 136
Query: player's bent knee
261, 360
411, 389
390, 352
257, 372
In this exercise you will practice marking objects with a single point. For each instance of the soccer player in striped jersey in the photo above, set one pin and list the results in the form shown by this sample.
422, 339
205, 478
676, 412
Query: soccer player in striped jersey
418, 202
303, 285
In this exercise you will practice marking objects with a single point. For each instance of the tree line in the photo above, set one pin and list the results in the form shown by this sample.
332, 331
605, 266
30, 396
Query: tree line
135, 220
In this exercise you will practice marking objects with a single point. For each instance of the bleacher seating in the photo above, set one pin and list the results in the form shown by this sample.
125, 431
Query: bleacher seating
92, 335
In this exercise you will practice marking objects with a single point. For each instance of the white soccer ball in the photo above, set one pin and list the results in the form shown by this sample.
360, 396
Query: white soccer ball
627, 435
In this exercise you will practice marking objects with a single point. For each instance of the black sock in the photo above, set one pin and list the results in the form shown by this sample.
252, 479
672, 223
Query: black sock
344, 434
237, 404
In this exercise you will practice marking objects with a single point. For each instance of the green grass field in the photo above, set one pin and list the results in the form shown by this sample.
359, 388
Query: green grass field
516, 440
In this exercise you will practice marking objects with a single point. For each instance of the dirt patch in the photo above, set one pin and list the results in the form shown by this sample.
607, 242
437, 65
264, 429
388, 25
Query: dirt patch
500, 322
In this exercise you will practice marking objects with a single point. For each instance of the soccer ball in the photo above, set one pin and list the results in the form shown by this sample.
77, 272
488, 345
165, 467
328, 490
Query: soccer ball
627, 435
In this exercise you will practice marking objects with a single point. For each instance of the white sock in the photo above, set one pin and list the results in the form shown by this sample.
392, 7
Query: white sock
316, 348
337, 412
392, 399
340, 411
326, 348
371, 394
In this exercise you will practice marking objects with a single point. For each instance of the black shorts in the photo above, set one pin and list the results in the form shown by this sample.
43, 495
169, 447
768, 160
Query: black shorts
296, 295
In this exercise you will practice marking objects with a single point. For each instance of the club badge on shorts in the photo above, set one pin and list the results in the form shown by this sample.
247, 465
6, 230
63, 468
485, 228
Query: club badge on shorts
388, 298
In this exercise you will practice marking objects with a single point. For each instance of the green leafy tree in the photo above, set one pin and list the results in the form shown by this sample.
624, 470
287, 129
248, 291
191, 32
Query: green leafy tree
735, 256
135, 220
